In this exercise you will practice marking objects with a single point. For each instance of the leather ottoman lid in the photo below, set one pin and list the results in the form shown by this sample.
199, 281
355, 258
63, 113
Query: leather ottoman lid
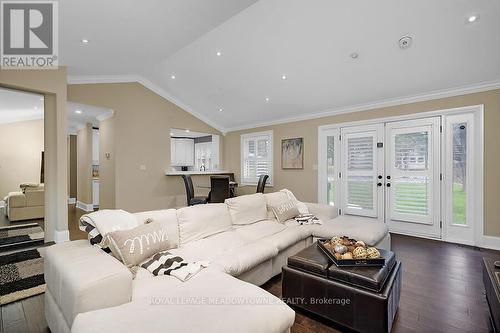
372, 278
311, 260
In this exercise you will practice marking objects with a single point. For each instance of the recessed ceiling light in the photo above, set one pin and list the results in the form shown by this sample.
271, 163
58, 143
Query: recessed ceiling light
219, 53
354, 55
283, 77
221, 109
472, 18
172, 77
405, 42
78, 111
187, 131
267, 99
85, 41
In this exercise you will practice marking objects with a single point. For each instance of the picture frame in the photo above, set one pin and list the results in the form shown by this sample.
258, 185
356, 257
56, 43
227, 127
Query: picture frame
292, 154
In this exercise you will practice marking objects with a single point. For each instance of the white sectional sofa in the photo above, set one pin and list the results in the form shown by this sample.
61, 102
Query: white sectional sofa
89, 290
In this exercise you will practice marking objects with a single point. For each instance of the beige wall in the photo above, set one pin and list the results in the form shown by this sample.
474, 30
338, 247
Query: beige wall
20, 154
107, 165
141, 126
304, 182
84, 165
51, 83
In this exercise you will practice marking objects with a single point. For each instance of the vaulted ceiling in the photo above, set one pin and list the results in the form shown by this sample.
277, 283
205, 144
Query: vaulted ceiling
225, 61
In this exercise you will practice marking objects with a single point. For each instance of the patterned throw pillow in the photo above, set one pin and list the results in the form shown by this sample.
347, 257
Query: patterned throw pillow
136, 245
285, 211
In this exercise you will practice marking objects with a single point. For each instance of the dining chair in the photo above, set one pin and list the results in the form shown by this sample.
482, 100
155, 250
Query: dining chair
219, 189
261, 185
191, 199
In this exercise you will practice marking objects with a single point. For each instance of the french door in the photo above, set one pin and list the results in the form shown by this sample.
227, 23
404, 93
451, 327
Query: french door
362, 170
422, 175
413, 189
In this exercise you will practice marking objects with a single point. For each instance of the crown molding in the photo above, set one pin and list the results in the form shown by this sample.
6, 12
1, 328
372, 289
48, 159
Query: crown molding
94, 79
105, 115
463, 90
432, 95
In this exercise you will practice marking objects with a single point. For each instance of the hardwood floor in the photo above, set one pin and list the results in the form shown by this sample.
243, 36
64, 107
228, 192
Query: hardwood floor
442, 292
442, 289
74, 215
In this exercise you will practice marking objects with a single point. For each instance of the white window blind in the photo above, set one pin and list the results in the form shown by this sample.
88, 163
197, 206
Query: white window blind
256, 157
360, 154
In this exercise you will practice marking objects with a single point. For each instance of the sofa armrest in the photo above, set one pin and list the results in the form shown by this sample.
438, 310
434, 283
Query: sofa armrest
82, 278
323, 212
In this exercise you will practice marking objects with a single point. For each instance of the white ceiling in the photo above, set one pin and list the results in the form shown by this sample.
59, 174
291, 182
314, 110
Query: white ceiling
18, 106
81, 114
308, 41
187, 133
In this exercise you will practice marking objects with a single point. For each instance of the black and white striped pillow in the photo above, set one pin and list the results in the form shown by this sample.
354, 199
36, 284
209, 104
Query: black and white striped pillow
163, 263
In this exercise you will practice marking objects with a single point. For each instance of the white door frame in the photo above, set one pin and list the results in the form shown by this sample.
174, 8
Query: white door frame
478, 110
322, 165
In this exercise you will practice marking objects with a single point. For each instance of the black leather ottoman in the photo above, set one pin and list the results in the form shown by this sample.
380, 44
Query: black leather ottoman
364, 299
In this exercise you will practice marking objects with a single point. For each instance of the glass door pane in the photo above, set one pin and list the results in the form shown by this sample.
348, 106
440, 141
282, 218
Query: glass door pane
331, 174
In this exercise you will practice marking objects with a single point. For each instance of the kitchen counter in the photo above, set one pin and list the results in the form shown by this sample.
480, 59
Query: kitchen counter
195, 173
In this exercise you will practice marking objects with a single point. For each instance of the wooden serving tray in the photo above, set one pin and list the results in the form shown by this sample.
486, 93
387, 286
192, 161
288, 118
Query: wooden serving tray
349, 262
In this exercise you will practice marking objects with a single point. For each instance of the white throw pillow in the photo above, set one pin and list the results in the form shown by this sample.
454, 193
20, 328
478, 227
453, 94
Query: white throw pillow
200, 221
247, 209
274, 199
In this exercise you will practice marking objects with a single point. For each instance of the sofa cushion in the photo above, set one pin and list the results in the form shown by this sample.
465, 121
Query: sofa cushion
210, 247
288, 237
367, 229
168, 217
200, 221
35, 198
82, 278
247, 209
245, 258
259, 230
164, 304
16, 200
134, 246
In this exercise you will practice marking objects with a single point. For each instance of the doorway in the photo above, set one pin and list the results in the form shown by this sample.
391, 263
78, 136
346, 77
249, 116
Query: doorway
415, 173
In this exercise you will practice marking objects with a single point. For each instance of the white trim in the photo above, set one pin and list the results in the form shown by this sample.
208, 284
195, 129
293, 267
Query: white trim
458, 91
490, 242
92, 79
89, 79
411, 116
270, 158
71, 201
61, 236
105, 115
84, 206
322, 165
432, 95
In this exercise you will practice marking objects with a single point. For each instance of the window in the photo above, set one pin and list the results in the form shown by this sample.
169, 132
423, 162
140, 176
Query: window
256, 157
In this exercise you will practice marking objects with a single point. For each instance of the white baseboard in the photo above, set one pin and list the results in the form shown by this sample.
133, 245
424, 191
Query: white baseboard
61, 236
84, 206
491, 242
71, 201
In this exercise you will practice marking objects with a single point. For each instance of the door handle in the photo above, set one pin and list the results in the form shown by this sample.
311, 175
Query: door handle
379, 184
388, 184
388, 177
380, 177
